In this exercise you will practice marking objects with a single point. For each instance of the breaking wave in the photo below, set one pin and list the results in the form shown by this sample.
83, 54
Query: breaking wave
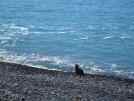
63, 64
11, 35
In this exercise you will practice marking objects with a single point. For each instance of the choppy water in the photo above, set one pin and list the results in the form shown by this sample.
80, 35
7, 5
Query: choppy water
57, 34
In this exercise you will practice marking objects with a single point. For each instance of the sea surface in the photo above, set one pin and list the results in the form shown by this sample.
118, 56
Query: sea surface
56, 34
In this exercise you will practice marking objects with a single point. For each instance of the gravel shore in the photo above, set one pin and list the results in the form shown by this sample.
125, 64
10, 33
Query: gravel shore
25, 83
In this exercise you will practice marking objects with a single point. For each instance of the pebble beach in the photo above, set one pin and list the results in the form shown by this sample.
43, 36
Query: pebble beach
25, 83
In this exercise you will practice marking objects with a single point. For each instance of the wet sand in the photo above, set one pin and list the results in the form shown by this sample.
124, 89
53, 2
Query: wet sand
34, 84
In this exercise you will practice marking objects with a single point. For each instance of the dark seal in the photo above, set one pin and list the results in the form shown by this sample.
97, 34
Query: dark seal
78, 70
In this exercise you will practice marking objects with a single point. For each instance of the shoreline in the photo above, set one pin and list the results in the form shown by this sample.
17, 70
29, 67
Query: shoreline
19, 81
36, 68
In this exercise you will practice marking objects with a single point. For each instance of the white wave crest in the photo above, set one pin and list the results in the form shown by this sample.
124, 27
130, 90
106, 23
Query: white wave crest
108, 37
34, 59
125, 37
84, 38
10, 34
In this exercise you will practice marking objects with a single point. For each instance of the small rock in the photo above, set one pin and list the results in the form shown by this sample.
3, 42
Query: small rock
15, 84
23, 99
77, 98
53, 93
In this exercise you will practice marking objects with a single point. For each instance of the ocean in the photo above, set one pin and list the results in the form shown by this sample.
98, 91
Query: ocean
98, 35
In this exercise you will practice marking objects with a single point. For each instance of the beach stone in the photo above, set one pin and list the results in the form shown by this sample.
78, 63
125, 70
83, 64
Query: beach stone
27, 91
52, 92
77, 98
15, 84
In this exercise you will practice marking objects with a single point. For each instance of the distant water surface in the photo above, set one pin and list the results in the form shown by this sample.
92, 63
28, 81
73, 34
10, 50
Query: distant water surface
99, 35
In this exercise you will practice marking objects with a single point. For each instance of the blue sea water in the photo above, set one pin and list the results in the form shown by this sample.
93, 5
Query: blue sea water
56, 34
